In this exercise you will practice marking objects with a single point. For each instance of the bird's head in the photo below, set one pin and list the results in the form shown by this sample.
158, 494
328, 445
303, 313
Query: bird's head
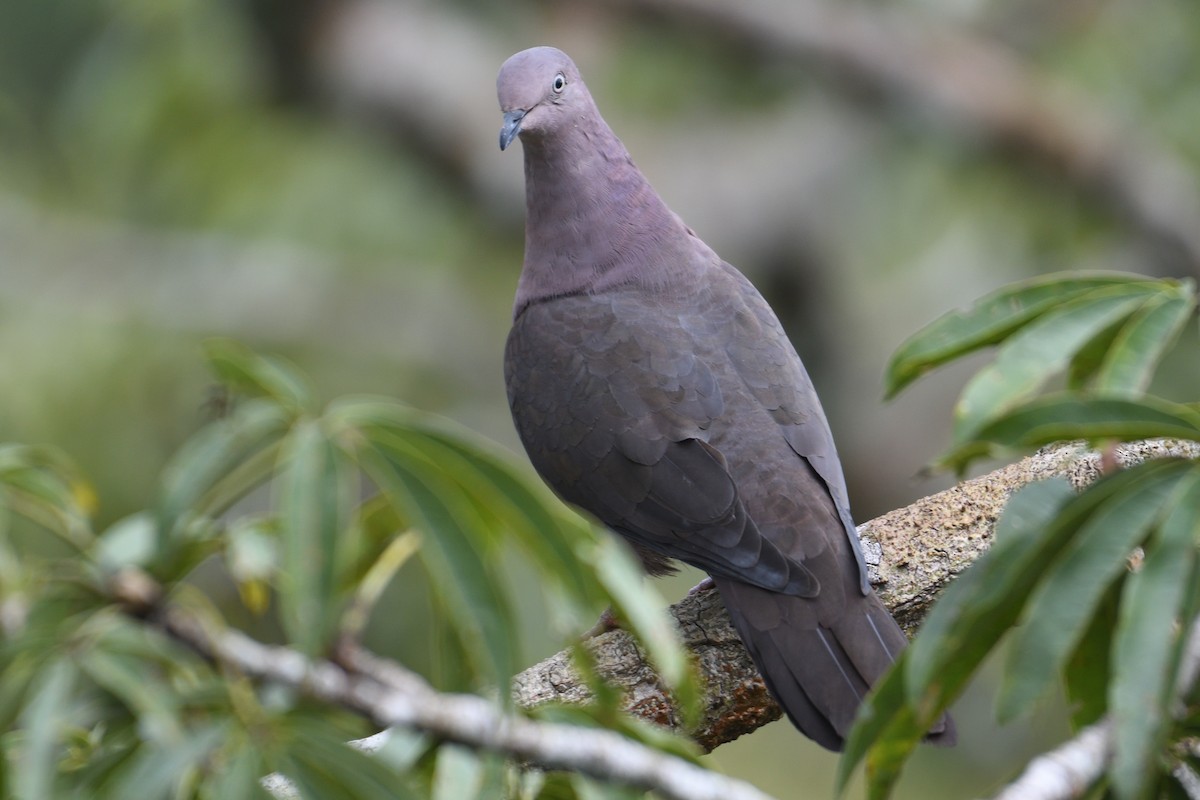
536, 89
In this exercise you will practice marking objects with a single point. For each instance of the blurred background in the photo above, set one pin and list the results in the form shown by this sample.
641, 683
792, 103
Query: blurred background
320, 179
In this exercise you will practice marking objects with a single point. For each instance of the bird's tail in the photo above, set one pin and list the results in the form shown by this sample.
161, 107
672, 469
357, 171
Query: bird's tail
819, 674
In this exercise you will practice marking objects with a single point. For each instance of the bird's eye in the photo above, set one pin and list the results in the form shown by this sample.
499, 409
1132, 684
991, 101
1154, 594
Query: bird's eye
560, 82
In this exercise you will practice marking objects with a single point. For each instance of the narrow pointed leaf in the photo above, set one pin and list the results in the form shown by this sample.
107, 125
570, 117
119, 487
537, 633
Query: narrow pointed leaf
1089, 669
149, 700
1147, 638
545, 530
34, 775
214, 452
1089, 357
590, 789
1041, 349
42, 484
979, 606
314, 502
257, 375
548, 536
1135, 353
458, 774
129, 541
885, 710
638, 605
559, 542
1065, 416
989, 321
454, 551
239, 776
331, 768
156, 771
1059, 610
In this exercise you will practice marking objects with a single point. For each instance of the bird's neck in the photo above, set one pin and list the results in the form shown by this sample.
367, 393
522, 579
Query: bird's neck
593, 222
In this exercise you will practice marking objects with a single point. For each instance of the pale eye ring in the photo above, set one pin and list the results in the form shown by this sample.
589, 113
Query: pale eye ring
560, 83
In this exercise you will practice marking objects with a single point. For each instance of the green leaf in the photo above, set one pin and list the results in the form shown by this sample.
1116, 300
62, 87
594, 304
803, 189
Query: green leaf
979, 606
1089, 669
590, 789
965, 625
638, 605
1065, 416
403, 748
210, 455
1088, 358
1041, 349
315, 498
455, 550
885, 733
322, 766
591, 715
545, 529
377, 578
1136, 351
458, 775
154, 706
1147, 640
128, 541
238, 773
41, 484
989, 321
156, 772
1068, 591
47, 712
559, 542
252, 555
257, 375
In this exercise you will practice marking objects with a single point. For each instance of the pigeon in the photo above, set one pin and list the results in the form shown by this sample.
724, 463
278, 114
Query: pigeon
652, 386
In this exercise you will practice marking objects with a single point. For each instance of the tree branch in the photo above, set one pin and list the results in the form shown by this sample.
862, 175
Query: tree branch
386, 60
913, 552
391, 696
978, 85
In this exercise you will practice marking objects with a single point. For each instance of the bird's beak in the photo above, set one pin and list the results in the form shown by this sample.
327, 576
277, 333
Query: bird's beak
511, 127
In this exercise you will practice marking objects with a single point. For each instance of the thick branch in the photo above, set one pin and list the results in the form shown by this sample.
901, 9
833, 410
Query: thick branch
391, 696
915, 552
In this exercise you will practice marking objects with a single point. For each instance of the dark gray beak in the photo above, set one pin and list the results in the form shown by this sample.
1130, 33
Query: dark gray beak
511, 127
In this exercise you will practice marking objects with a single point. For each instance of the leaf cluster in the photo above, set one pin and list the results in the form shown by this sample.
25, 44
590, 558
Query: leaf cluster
312, 511
1099, 588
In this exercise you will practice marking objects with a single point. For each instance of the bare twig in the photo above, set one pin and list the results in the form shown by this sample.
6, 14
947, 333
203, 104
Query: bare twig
391, 696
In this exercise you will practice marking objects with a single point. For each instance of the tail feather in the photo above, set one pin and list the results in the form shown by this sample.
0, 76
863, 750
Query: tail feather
803, 713
820, 674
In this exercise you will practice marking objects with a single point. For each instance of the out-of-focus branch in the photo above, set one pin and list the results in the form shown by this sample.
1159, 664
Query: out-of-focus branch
391, 696
913, 552
385, 60
1067, 770
978, 84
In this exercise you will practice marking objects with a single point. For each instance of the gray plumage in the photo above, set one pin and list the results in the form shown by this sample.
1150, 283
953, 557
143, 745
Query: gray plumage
653, 386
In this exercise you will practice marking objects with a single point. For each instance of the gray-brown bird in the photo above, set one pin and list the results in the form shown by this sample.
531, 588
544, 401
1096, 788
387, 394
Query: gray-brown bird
653, 386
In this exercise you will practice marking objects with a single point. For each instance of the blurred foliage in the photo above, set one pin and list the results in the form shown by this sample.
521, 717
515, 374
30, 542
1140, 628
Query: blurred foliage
98, 703
162, 181
1099, 588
